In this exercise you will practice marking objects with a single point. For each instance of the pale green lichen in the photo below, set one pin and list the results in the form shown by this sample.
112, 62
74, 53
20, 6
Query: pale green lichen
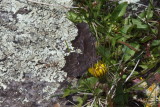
33, 41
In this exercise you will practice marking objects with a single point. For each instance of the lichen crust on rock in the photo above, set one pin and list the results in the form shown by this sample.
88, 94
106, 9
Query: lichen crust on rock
34, 38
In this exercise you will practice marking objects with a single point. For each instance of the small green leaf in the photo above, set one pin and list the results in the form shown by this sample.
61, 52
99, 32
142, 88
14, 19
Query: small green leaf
149, 12
144, 66
121, 98
97, 91
128, 53
119, 11
139, 24
68, 92
104, 52
80, 101
127, 28
156, 51
92, 81
142, 15
124, 76
138, 88
88, 84
146, 38
156, 43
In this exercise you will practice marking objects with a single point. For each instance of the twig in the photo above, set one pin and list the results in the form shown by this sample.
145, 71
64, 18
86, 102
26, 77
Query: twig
104, 102
87, 103
93, 101
138, 56
111, 89
128, 45
99, 100
72, 103
113, 86
132, 71
113, 93
85, 93
93, 25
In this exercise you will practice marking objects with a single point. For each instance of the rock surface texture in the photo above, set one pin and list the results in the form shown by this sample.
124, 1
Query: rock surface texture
34, 37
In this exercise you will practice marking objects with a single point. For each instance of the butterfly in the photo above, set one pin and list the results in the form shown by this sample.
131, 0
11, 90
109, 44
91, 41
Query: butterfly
77, 63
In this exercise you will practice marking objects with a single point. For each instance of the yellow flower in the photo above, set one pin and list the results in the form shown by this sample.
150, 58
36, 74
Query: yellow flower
98, 70
141, 78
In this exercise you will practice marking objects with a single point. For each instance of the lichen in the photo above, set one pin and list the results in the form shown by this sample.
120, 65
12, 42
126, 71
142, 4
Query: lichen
33, 41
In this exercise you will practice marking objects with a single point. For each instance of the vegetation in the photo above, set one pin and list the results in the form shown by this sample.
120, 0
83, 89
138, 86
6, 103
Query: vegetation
129, 45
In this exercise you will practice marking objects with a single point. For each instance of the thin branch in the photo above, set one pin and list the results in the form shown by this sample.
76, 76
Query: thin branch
87, 103
93, 25
85, 93
132, 71
99, 100
93, 101
104, 102
71, 102
128, 45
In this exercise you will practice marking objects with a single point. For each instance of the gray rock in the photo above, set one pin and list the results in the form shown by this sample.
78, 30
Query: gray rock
33, 42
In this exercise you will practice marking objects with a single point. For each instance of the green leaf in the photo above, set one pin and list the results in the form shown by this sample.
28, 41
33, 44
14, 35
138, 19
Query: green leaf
149, 14
127, 28
119, 11
88, 84
128, 53
144, 66
139, 24
80, 101
121, 98
92, 81
142, 15
156, 43
104, 52
68, 92
74, 17
97, 91
156, 51
124, 76
138, 88
146, 38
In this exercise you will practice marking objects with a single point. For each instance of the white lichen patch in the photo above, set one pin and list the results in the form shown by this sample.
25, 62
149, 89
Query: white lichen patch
33, 41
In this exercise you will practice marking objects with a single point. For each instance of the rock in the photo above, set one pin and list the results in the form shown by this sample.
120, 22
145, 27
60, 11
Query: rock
33, 41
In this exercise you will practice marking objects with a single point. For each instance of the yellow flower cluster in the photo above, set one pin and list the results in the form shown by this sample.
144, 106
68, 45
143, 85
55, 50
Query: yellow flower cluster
98, 70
